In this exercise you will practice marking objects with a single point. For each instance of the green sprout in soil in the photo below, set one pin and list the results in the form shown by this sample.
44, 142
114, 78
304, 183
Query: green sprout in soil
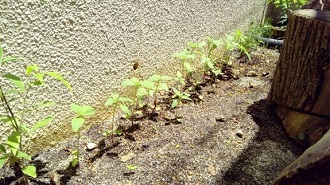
116, 101
177, 99
76, 124
15, 92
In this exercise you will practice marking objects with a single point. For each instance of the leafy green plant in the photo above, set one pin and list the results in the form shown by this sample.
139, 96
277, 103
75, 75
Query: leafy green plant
177, 98
116, 101
180, 80
140, 89
244, 43
209, 65
76, 125
185, 57
17, 110
131, 167
159, 84
287, 6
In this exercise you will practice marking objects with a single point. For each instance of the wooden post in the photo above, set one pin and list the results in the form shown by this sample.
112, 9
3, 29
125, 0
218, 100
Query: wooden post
301, 84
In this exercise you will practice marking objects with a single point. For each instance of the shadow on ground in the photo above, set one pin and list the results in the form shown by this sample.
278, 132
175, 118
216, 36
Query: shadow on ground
258, 160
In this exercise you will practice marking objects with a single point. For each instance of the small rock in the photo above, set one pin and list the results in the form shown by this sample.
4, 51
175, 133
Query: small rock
91, 146
127, 157
221, 119
211, 170
236, 73
239, 133
251, 74
264, 74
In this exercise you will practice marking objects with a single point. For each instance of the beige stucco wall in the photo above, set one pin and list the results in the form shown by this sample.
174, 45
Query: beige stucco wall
93, 43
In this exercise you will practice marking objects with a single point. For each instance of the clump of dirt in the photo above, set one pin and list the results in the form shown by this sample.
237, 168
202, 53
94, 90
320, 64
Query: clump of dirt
229, 135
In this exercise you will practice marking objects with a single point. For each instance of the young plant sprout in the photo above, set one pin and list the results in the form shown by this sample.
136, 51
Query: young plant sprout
76, 124
116, 101
159, 84
177, 99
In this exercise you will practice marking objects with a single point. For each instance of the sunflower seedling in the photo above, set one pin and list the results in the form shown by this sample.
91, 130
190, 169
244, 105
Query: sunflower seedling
159, 84
177, 99
116, 101
76, 124
185, 57
12, 151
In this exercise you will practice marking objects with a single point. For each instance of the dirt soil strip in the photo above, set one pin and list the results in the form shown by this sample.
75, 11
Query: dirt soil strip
231, 137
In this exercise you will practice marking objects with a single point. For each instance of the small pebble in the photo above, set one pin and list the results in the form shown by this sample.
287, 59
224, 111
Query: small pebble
91, 146
251, 74
239, 133
220, 119
211, 170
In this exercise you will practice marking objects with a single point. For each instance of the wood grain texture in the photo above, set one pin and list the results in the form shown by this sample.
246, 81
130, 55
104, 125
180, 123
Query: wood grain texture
304, 58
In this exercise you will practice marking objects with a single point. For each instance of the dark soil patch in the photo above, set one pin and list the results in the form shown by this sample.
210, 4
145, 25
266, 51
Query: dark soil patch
228, 135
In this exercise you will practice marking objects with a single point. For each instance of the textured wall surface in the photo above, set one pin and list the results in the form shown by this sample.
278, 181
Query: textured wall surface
94, 43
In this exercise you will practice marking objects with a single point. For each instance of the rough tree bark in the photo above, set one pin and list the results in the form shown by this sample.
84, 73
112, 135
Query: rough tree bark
301, 84
301, 88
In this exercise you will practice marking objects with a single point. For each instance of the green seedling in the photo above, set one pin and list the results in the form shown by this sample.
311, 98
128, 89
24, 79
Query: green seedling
209, 65
76, 124
131, 167
185, 57
212, 44
180, 80
116, 101
287, 6
244, 43
177, 99
159, 84
12, 151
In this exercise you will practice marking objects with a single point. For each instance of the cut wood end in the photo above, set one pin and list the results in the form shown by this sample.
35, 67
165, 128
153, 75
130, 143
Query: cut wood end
318, 14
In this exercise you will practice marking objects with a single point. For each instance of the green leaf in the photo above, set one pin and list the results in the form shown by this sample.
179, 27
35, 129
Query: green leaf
30, 171
74, 162
76, 123
163, 86
24, 128
3, 160
7, 59
202, 44
185, 97
141, 92
187, 66
37, 83
59, 77
131, 82
125, 109
165, 78
111, 101
21, 154
174, 103
40, 79
2, 148
131, 166
15, 80
84, 110
154, 78
42, 123
118, 132
75, 153
148, 84
31, 68
125, 99
14, 140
